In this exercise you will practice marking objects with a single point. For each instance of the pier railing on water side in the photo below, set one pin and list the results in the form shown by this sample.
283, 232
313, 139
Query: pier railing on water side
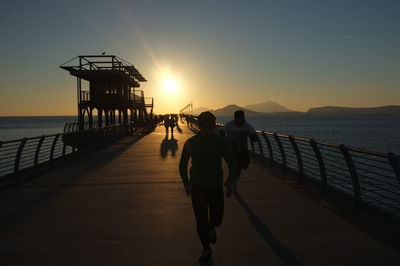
369, 178
20, 154
27, 154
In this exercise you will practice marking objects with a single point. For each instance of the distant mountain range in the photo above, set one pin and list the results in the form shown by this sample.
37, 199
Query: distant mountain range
230, 109
267, 107
272, 107
264, 107
389, 109
201, 109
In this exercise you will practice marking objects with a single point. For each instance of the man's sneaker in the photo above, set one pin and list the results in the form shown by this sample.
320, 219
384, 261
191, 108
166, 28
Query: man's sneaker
205, 256
212, 236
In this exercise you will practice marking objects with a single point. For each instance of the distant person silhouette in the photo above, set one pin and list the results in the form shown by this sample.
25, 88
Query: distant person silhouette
206, 150
173, 122
237, 132
166, 123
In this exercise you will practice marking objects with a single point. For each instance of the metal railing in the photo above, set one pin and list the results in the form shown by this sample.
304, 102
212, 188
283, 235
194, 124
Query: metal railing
85, 96
26, 153
74, 127
30, 153
370, 178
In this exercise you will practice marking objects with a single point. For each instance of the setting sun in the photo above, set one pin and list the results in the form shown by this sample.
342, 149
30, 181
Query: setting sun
170, 85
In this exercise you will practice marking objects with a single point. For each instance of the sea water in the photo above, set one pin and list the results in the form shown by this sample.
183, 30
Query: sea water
376, 132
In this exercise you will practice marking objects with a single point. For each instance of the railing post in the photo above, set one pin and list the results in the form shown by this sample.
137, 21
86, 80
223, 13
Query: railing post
252, 146
1, 144
394, 162
53, 146
321, 164
353, 174
298, 157
65, 127
270, 151
283, 156
260, 147
39, 145
18, 156
64, 150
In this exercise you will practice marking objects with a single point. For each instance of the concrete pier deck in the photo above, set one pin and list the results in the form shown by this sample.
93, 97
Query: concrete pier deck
125, 205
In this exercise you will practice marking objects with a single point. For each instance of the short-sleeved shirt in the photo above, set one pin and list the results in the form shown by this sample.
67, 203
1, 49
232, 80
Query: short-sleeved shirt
237, 135
206, 153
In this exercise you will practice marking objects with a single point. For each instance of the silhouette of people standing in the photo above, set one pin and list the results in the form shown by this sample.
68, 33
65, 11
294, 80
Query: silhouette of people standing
166, 123
172, 122
206, 150
237, 132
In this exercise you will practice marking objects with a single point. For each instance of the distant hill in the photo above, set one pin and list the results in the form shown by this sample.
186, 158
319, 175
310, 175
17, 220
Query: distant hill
230, 109
390, 109
267, 107
199, 110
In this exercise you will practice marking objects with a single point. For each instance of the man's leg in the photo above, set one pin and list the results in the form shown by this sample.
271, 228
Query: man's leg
216, 206
200, 207
242, 162
216, 203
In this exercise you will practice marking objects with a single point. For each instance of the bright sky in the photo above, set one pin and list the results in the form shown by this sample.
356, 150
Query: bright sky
299, 53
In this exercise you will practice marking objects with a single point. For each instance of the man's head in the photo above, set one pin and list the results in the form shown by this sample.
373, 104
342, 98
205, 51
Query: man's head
206, 120
239, 118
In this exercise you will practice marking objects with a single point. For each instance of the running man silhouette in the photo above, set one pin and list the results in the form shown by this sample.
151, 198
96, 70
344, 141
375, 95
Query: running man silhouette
237, 132
206, 150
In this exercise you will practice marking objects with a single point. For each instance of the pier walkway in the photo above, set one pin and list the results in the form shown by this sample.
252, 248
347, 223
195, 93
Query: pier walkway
125, 205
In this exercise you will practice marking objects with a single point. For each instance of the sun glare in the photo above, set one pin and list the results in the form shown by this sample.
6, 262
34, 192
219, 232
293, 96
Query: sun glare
170, 85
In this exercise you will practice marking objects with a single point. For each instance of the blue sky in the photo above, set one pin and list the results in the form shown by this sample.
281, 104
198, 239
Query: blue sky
301, 54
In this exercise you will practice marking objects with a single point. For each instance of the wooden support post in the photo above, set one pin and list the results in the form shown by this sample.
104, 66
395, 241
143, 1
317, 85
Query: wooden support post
107, 117
90, 118
100, 118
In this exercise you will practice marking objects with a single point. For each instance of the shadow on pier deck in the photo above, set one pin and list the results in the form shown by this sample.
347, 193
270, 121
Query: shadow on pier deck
125, 205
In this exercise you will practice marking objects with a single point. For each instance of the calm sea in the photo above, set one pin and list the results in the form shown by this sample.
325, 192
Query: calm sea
32, 126
377, 132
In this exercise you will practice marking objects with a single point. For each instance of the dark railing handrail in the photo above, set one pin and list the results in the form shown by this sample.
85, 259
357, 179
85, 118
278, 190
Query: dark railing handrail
25, 153
375, 153
30, 138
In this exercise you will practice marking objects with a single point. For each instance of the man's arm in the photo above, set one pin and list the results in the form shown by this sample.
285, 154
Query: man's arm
185, 156
252, 133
